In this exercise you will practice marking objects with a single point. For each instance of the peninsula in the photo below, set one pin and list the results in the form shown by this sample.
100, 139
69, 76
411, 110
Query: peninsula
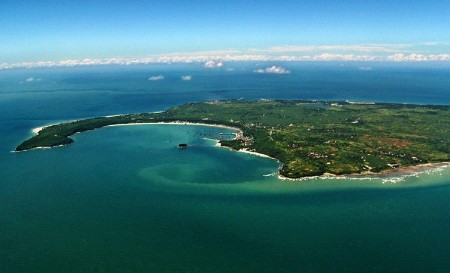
308, 137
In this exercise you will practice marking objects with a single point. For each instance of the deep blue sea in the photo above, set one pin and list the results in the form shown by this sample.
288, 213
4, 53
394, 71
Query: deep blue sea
125, 199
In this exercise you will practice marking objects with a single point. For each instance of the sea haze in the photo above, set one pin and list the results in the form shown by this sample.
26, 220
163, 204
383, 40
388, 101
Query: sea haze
126, 199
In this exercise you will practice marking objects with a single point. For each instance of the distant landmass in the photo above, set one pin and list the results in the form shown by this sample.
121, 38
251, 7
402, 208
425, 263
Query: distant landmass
309, 138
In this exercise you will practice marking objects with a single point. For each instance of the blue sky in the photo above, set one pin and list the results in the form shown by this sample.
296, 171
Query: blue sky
32, 31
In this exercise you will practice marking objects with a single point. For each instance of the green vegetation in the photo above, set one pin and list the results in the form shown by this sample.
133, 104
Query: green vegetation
309, 138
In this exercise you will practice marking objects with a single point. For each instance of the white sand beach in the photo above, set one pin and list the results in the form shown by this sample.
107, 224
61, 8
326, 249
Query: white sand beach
37, 129
179, 123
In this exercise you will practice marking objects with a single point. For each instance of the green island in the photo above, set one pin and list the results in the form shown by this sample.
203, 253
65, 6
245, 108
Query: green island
309, 138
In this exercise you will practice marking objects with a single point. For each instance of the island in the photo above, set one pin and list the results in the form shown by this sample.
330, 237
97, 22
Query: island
309, 138
182, 146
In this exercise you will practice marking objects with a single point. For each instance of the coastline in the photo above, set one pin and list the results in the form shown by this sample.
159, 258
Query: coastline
390, 173
413, 169
178, 123
401, 171
60, 136
38, 129
239, 131
246, 151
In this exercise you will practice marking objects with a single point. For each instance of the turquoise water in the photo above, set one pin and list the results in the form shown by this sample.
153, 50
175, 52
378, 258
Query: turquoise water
133, 202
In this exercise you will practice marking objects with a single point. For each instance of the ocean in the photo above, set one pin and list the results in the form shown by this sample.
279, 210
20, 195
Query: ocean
125, 199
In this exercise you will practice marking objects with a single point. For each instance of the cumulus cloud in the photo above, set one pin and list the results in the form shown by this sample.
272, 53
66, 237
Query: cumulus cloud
418, 57
213, 64
186, 78
31, 79
156, 78
273, 70
365, 68
374, 52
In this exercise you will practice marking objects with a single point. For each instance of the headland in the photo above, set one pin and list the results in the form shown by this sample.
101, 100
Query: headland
309, 138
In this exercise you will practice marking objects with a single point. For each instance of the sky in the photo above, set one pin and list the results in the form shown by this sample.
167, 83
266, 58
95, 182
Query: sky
58, 30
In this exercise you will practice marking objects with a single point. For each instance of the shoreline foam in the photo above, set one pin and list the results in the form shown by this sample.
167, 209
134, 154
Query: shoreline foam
385, 175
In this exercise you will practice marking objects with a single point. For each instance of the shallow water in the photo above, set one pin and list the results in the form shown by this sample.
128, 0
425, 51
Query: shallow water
126, 199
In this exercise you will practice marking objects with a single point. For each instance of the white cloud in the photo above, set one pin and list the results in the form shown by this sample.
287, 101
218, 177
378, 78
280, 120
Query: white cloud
210, 53
369, 52
358, 48
410, 57
343, 57
399, 57
431, 43
31, 79
436, 43
213, 64
365, 68
439, 57
156, 78
418, 57
273, 70
186, 78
